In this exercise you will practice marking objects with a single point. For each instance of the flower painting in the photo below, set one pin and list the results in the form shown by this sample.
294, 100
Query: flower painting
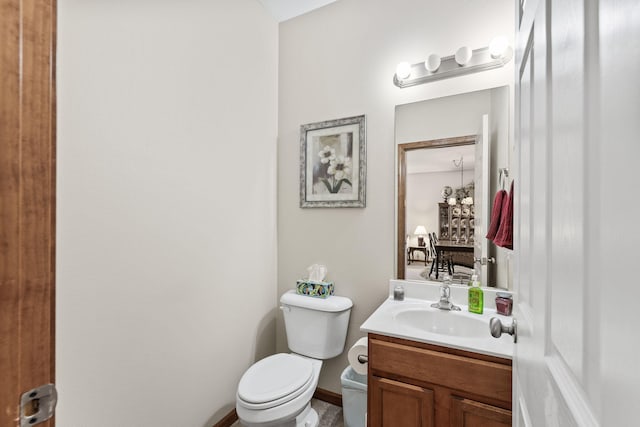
332, 171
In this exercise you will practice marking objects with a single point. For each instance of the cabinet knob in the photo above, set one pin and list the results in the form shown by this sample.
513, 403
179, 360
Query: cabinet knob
497, 328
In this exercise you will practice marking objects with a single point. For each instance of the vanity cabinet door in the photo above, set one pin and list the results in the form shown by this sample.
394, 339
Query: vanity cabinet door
420, 384
469, 413
396, 404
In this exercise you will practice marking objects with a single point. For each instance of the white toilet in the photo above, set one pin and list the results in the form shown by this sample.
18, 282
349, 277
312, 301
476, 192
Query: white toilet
277, 390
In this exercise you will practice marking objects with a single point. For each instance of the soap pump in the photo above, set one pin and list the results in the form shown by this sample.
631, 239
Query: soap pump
476, 296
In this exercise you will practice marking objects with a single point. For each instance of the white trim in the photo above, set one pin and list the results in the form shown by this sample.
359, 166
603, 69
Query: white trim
571, 391
525, 316
523, 411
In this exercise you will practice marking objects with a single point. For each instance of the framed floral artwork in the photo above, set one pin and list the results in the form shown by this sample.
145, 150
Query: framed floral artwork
333, 163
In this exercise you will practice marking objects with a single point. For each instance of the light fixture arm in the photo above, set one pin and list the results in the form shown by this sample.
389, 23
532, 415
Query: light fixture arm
460, 164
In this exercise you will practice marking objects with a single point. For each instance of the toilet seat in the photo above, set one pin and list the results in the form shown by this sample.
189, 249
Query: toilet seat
274, 381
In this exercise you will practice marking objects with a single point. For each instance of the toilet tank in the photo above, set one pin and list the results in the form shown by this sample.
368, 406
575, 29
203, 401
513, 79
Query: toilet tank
316, 327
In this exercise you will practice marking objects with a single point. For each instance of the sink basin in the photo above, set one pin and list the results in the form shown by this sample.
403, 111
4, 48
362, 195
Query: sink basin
414, 319
435, 321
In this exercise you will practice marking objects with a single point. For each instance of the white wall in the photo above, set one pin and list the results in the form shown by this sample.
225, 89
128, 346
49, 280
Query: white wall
423, 195
446, 117
166, 197
339, 61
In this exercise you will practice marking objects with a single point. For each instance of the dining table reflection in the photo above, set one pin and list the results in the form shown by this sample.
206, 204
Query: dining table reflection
448, 248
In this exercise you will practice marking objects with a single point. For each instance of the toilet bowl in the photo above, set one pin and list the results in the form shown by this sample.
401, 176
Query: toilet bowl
277, 391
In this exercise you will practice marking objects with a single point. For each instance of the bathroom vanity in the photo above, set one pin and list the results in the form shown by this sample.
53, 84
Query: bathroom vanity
418, 384
429, 367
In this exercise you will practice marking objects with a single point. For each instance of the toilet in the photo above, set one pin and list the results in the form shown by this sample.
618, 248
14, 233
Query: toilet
277, 390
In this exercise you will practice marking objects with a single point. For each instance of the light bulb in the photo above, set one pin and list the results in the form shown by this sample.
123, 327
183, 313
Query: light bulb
497, 47
403, 70
432, 63
463, 55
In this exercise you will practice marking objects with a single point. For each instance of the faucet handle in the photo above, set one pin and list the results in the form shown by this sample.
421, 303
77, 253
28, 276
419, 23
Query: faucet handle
445, 292
446, 280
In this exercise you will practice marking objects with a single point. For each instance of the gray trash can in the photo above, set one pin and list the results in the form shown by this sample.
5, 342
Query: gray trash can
354, 397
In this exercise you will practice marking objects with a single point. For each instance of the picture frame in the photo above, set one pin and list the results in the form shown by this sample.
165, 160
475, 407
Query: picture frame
333, 163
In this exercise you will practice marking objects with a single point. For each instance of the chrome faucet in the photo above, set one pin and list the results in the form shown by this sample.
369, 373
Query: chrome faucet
445, 294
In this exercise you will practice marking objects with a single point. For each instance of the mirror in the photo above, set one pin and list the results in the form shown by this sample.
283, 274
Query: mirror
449, 153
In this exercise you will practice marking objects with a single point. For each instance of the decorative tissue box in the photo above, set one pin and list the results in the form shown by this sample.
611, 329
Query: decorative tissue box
314, 289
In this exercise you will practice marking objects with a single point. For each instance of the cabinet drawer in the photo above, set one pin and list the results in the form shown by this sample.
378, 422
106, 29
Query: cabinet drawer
422, 365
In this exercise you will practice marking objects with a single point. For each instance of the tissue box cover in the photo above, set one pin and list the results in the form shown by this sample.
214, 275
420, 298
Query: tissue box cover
314, 289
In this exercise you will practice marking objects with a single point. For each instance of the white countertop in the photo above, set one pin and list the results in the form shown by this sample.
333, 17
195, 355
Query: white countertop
420, 295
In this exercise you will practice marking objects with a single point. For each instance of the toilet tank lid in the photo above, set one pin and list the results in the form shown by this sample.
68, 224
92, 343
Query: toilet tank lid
332, 303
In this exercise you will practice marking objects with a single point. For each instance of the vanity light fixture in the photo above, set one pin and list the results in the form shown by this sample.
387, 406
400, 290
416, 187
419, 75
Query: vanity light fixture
464, 61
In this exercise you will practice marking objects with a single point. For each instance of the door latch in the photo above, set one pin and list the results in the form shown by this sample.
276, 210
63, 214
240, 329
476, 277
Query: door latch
485, 260
38, 405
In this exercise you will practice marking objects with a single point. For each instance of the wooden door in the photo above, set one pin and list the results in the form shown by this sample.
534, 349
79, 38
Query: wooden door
27, 200
578, 103
394, 403
470, 413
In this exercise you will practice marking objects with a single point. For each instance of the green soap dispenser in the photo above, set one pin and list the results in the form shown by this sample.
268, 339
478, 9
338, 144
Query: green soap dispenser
476, 296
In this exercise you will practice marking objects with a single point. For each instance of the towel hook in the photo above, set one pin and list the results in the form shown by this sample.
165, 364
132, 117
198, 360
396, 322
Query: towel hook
504, 175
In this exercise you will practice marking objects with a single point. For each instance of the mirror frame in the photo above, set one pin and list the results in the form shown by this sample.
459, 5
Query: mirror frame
402, 189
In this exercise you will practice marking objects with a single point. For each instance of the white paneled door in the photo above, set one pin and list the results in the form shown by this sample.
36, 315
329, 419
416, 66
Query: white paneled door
577, 125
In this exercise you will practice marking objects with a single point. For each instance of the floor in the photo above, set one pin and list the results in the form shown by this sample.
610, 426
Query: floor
416, 270
330, 415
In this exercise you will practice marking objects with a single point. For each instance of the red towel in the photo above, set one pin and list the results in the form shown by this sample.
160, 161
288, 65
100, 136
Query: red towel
504, 237
495, 214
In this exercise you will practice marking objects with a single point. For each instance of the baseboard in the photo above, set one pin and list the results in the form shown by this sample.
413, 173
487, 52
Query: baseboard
320, 394
328, 396
228, 419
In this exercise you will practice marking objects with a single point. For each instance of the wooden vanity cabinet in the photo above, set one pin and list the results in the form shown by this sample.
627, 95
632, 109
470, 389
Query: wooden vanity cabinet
418, 384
